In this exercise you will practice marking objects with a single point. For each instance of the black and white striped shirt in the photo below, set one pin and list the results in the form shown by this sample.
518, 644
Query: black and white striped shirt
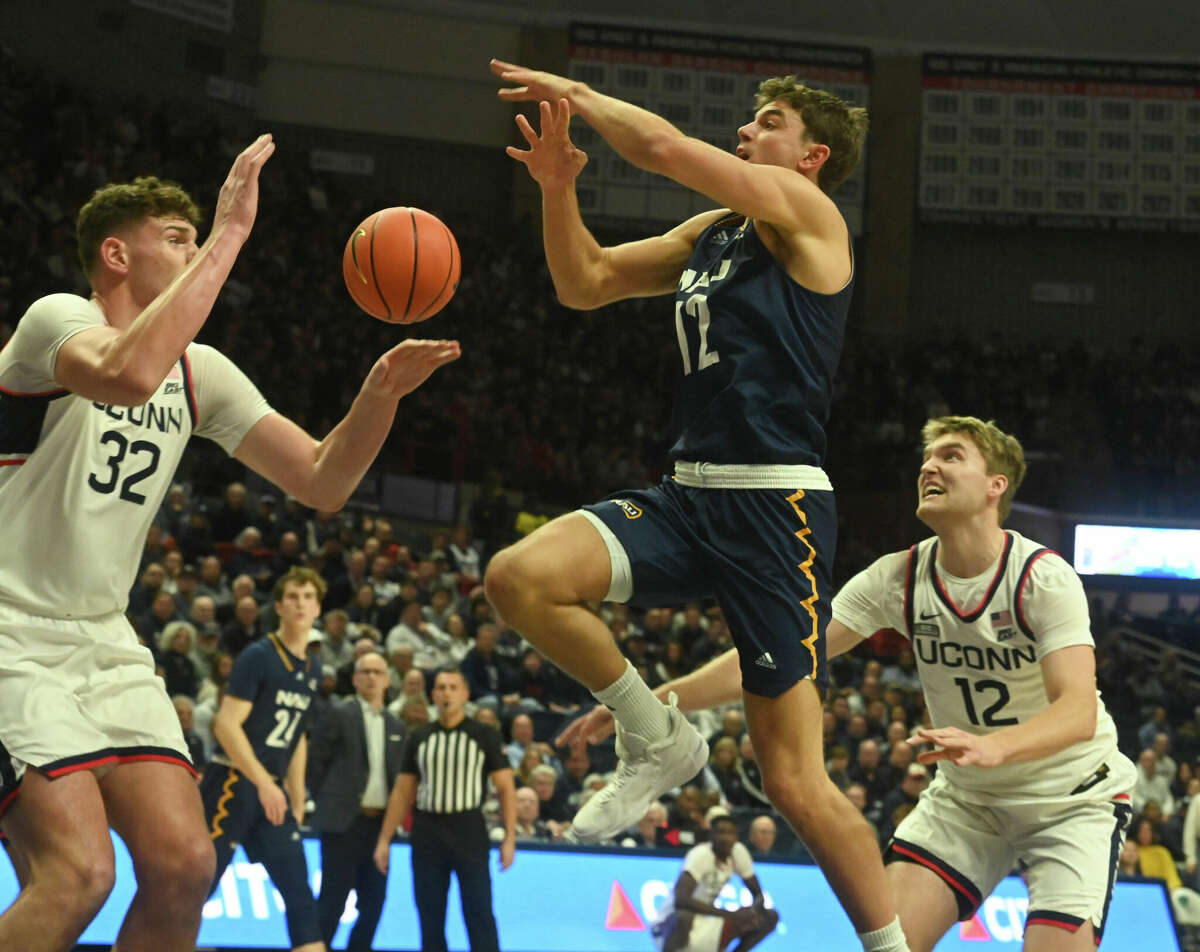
452, 764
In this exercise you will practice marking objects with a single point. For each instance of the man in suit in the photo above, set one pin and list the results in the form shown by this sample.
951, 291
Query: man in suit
354, 757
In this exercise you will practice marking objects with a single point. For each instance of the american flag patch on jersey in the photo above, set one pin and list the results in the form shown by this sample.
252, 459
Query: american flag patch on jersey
175, 373
1001, 619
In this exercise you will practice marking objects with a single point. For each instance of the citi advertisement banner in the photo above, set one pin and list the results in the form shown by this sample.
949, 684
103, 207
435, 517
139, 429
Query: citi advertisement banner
578, 901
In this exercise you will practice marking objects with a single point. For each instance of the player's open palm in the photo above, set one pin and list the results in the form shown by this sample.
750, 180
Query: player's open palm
959, 746
551, 158
408, 365
237, 205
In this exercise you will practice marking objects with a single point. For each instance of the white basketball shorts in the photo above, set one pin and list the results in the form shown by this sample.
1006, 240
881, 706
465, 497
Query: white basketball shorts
79, 694
1066, 849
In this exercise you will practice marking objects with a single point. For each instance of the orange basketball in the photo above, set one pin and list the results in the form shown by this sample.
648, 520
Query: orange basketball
401, 265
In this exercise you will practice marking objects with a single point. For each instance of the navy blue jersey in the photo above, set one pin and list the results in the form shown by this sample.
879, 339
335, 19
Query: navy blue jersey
759, 354
281, 688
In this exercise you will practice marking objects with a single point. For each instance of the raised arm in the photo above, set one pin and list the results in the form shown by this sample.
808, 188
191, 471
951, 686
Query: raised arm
125, 365
762, 191
322, 474
587, 275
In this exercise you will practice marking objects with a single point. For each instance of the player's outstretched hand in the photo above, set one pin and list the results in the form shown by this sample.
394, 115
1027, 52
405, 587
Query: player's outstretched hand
951, 743
592, 728
552, 159
531, 85
408, 365
274, 802
237, 205
383, 851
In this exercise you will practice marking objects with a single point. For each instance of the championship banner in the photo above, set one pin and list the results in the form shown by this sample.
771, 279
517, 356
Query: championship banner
1060, 143
705, 85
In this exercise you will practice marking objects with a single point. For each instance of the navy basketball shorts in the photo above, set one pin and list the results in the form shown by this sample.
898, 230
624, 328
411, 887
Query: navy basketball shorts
766, 555
235, 817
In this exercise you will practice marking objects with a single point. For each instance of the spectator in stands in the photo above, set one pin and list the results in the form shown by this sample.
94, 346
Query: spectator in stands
348, 581
150, 625
687, 812
553, 807
383, 580
867, 770
266, 521
671, 663
715, 640
213, 685
185, 709
232, 516
648, 826
430, 645
175, 644
149, 583
244, 628
723, 761
751, 774
491, 680
762, 835
1159, 723
1150, 786
914, 782
363, 608
465, 555
336, 647
902, 674
289, 555
530, 825
195, 538
400, 662
521, 734
413, 688
1165, 765
856, 793
733, 725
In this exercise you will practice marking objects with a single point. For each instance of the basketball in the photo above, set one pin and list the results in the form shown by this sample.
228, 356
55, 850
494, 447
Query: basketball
401, 265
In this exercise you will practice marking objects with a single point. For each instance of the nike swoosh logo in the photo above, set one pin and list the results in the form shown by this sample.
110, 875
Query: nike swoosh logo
361, 233
925, 617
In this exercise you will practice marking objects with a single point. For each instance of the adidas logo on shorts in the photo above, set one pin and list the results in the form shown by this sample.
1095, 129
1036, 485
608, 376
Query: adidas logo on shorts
765, 660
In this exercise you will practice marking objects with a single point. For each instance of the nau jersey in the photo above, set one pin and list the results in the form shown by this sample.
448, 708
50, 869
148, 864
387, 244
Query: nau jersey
281, 688
710, 873
979, 643
759, 354
80, 481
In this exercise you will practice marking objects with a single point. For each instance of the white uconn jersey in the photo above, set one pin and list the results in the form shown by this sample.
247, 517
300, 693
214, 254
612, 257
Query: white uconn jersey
80, 482
979, 644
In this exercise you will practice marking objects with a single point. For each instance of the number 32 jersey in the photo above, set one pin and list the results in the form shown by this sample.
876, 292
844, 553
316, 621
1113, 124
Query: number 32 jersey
80, 482
979, 643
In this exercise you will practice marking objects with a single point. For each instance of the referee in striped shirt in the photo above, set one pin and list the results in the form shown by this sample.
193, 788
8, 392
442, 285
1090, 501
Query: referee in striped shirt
445, 767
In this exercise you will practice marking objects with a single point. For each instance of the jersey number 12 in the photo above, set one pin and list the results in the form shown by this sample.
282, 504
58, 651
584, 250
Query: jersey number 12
695, 306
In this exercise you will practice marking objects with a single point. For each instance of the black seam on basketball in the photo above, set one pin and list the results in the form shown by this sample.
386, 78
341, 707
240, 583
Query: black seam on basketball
415, 262
449, 271
374, 277
369, 307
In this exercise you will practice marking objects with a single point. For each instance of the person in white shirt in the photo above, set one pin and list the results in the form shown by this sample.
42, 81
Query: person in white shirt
98, 398
1151, 785
1029, 770
691, 920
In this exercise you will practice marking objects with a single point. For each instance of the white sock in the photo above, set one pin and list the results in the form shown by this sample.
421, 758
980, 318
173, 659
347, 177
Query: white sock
634, 705
888, 939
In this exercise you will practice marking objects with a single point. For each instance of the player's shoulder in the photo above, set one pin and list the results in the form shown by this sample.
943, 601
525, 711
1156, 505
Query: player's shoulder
1042, 562
52, 309
888, 570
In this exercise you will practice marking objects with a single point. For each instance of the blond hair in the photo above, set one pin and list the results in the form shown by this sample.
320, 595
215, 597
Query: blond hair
1002, 452
829, 120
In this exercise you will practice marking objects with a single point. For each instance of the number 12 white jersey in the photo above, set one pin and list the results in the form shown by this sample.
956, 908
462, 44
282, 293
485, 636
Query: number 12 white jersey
979, 643
80, 482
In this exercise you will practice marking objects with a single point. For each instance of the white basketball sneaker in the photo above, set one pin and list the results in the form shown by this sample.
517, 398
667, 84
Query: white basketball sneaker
646, 770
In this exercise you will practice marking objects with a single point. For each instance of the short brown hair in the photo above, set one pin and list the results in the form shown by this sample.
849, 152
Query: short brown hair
114, 207
298, 575
830, 121
1001, 451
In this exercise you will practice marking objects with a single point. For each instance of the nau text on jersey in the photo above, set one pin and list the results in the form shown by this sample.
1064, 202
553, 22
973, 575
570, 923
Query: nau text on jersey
689, 282
950, 654
148, 415
295, 699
